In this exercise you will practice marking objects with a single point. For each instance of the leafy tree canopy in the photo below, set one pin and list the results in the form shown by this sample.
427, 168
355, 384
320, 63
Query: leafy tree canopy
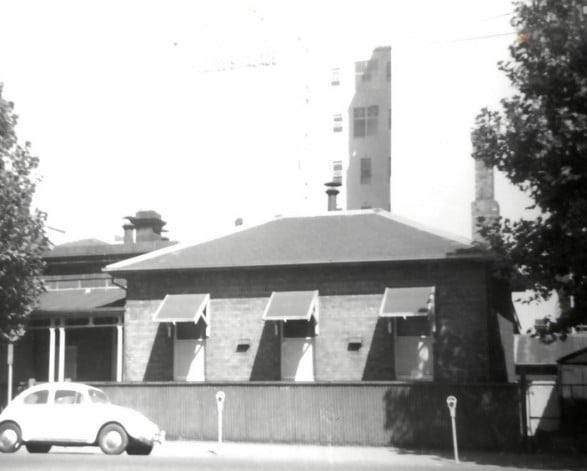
22, 234
538, 139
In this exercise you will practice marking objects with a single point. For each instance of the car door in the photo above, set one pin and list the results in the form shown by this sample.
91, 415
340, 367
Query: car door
33, 413
69, 416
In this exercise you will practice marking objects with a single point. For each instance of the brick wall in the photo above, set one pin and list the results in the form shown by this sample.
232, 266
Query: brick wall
350, 298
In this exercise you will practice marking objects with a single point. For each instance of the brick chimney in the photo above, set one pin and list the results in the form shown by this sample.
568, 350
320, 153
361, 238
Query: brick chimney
147, 225
129, 233
332, 192
484, 205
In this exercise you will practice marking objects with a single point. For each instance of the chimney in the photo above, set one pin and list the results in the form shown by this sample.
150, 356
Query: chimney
129, 233
238, 222
148, 226
484, 205
332, 192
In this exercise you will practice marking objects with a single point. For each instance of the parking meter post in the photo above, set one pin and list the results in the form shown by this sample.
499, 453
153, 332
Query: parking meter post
451, 402
220, 408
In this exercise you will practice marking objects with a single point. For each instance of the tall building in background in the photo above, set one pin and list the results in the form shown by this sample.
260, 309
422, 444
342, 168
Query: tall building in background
360, 145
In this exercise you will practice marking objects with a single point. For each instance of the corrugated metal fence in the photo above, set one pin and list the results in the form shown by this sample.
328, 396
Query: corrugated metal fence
397, 414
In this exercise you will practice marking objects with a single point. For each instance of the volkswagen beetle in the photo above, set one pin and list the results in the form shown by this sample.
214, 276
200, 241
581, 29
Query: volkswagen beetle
74, 414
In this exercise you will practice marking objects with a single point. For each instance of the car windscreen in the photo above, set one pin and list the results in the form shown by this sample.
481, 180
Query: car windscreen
98, 397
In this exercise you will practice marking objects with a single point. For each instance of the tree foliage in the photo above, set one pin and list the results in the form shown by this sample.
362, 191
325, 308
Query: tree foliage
538, 139
22, 234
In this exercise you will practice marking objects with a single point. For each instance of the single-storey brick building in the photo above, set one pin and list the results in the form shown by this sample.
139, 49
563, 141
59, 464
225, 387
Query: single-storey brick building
341, 296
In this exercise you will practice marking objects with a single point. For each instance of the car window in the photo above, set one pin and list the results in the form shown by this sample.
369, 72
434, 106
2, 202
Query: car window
67, 396
98, 397
38, 397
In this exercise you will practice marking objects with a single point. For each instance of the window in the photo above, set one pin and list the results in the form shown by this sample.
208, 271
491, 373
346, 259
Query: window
190, 330
98, 397
388, 71
389, 118
189, 351
50, 285
337, 171
94, 283
365, 121
38, 397
67, 396
335, 81
418, 326
365, 171
299, 328
365, 71
337, 123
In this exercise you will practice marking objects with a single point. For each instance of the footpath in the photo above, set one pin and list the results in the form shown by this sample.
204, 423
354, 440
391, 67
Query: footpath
276, 452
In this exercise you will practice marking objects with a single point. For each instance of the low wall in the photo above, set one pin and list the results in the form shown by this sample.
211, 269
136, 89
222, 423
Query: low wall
377, 414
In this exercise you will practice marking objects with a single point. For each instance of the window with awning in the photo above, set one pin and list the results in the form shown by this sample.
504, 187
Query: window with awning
187, 312
297, 312
184, 308
407, 302
293, 306
410, 311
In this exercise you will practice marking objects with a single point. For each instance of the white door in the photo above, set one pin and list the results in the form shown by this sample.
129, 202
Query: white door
189, 360
297, 359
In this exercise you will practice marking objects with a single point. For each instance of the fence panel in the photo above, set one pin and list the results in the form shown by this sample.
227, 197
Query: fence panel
412, 415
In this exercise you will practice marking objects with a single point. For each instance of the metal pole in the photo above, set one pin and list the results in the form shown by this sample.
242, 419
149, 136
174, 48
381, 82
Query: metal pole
451, 402
219, 407
454, 439
220, 426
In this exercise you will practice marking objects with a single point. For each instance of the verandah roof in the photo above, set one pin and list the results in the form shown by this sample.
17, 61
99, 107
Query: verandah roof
79, 299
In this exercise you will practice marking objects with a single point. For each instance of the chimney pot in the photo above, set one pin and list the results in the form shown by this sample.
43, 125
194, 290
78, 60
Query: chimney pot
148, 226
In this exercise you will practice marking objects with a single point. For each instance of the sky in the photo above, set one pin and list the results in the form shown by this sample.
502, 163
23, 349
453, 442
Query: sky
195, 111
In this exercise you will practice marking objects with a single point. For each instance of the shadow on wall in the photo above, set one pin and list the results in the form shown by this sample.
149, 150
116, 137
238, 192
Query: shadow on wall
160, 364
266, 366
380, 359
416, 416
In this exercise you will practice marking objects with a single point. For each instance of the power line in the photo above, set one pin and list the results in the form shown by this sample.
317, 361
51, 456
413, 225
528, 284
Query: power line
474, 38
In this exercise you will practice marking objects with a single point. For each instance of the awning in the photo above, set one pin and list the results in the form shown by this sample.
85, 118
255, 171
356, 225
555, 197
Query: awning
407, 302
79, 299
292, 305
183, 308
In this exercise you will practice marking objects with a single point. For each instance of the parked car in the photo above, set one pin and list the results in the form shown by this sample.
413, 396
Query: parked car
74, 414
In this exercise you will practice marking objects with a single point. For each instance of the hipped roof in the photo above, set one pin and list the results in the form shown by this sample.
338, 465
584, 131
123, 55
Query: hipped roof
335, 237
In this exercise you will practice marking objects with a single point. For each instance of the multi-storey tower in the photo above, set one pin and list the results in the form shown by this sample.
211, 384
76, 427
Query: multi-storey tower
361, 147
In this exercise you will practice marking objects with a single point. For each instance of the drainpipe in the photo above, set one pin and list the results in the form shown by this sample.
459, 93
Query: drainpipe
524, 409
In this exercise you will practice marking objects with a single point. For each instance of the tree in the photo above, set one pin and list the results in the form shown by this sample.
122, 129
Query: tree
538, 139
22, 234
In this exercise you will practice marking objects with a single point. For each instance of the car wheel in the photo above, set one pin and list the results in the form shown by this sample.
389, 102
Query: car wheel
10, 437
112, 439
139, 449
38, 447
